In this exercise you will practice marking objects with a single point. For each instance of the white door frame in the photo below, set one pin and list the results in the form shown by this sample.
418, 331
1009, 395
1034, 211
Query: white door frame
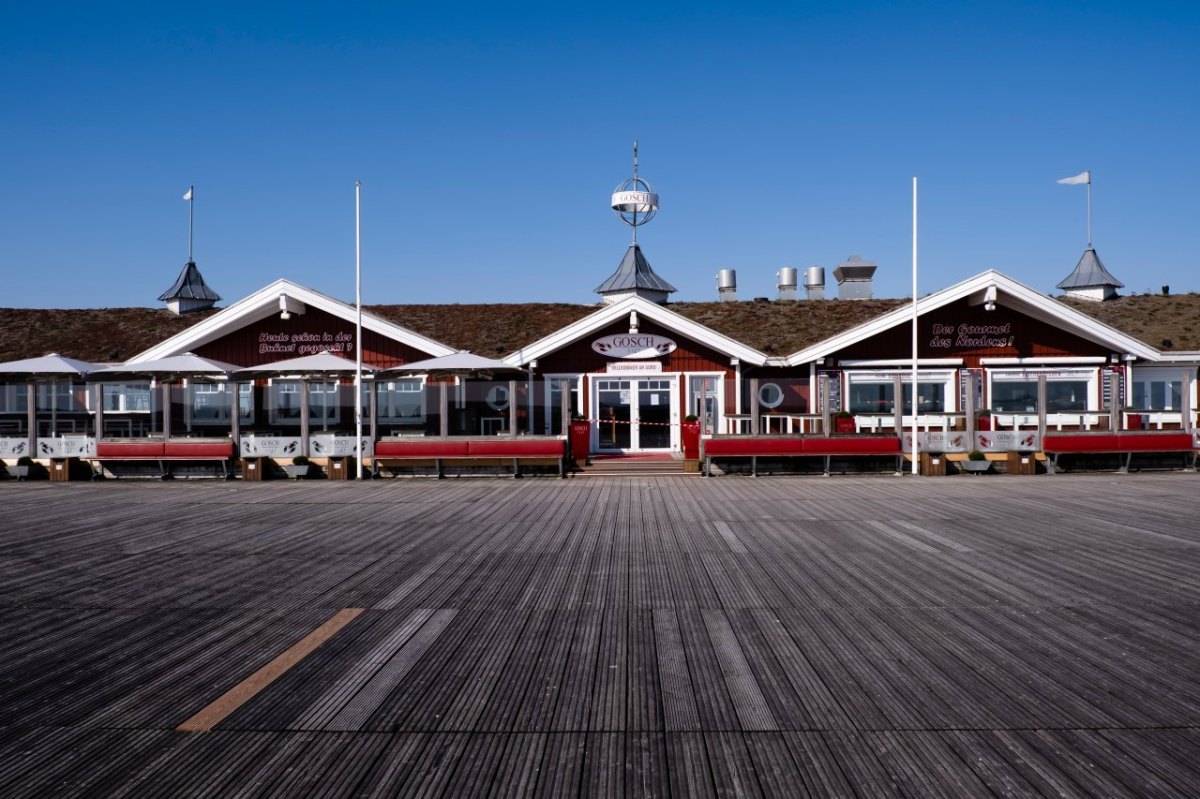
634, 381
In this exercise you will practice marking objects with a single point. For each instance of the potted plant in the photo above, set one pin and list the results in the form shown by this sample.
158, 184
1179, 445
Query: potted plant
976, 463
21, 470
299, 467
843, 422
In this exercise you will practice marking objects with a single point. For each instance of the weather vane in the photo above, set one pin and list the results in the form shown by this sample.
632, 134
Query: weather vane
634, 200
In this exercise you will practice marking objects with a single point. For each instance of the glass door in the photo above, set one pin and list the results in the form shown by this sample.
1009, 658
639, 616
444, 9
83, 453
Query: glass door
614, 414
634, 415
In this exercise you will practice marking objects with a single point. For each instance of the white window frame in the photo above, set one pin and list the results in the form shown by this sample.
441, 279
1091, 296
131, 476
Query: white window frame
947, 377
693, 395
122, 392
1090, 375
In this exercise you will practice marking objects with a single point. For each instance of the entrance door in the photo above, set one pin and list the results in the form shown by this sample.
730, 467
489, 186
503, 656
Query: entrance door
635, 414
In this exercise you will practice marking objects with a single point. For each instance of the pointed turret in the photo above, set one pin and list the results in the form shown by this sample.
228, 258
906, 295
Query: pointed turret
1090, 280
189, 292
634, 277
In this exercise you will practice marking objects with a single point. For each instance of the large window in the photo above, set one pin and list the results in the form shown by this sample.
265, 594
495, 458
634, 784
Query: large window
1156, 391
1067, 391
876, 393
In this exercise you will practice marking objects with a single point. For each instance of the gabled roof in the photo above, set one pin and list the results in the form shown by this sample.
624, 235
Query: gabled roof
189, 285
1008, 292
266, 302
634, 272
1089, 273
645, 310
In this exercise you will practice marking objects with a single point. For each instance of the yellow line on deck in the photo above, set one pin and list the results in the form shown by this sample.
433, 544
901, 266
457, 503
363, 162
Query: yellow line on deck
244, 691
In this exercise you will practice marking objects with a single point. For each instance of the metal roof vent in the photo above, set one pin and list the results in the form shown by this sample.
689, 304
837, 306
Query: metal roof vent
785, 280
727, 285
854, 278
814, 282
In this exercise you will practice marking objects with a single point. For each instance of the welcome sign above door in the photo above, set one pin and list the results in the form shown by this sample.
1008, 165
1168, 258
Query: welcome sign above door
634, 345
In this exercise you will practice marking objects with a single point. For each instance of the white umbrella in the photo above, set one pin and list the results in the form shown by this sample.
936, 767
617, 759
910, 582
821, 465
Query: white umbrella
321, 363
49, 365
186, 365
461, 362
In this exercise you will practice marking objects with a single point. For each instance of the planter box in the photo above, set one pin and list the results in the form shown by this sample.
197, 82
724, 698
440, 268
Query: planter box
975, 467
297, 472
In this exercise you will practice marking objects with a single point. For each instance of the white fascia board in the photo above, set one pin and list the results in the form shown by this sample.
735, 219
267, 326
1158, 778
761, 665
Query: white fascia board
1026, 300
646, 310
1049, 360
1185, 358
902, 362
264, 303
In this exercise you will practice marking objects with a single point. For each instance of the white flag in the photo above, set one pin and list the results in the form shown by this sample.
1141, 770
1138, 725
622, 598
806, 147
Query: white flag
1083, 177
187, 195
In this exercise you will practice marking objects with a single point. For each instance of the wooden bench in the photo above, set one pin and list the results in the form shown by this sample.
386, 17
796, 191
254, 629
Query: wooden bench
164, 453
1125, 444
826, 447
439, 453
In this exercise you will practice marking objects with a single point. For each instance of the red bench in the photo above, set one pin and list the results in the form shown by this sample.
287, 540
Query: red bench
440, 452
827, 447
166, 452
1124, 443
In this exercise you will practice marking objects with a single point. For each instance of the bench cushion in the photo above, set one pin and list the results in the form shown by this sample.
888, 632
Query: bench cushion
198, 449
746, 446
518, 448
852, 445
421, 448
1117, 442
129, 449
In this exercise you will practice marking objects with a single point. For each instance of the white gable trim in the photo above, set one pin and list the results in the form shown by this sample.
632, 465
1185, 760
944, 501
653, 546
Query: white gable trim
1019, 297
611, 314
267, 302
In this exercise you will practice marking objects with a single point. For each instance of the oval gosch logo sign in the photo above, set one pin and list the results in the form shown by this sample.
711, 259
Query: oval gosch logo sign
633, 345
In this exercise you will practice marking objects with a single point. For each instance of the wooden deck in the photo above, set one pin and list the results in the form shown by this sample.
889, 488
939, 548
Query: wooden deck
861, 636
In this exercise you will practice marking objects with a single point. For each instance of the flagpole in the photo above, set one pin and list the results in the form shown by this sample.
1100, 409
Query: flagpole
916, 447
1089, 174
358, 360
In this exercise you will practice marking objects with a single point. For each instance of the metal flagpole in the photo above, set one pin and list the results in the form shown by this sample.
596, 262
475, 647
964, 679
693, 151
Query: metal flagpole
191, 212
1089, 174
358, 327
916, 447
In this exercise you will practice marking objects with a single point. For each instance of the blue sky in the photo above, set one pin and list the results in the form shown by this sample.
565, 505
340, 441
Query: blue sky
489, 136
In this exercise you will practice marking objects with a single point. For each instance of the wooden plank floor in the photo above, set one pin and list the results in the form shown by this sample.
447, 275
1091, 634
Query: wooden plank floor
853, 636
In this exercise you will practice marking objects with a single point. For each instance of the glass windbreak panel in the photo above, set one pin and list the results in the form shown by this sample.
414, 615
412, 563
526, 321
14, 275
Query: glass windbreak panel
1157, 395
55, 397
126, 397
14, 398
285, 402
613, 413
400, 402
210, 404
553, 413
654, 414
323, 404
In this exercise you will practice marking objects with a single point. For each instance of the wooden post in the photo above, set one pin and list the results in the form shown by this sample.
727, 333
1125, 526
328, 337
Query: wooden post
564, 397
898, 407
166, 410
304, 417
1186, 399
823, 398
235, 415
754, 410
512, 407
1041, 401
31, 415
99, 405
970, 411
444, 408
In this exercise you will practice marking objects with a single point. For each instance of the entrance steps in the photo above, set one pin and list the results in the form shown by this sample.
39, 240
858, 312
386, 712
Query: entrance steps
634, 466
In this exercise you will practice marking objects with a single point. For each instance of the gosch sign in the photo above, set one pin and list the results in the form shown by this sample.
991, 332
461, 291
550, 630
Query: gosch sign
633, 345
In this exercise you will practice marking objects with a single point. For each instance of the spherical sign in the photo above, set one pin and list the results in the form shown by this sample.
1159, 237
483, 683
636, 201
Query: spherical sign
635, 201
